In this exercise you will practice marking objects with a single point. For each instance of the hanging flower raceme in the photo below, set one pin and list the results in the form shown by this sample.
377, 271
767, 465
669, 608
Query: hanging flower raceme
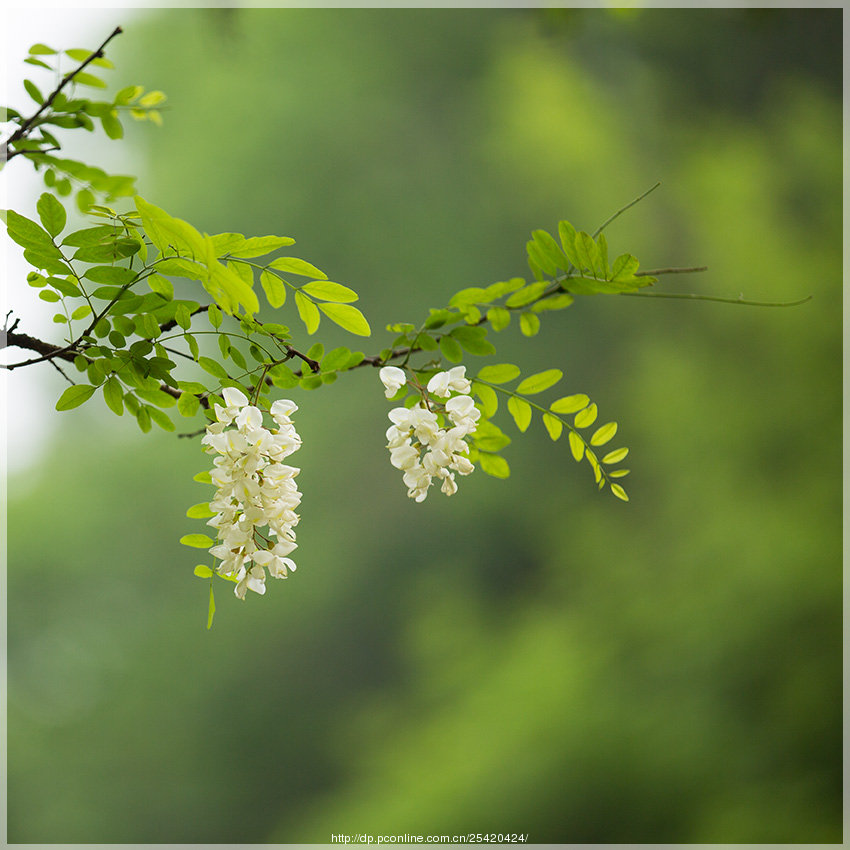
255, 489
419, 445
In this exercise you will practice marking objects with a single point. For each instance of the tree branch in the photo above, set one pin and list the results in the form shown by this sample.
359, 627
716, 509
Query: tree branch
25, 128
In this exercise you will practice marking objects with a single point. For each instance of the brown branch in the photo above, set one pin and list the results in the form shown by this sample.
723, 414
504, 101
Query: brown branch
25, 128
47, 350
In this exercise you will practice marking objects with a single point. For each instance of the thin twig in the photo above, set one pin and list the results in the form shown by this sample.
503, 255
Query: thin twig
693, 297
61, 371
623, 209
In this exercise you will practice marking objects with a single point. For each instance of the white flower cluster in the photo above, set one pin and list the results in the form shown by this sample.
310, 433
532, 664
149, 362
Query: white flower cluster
255, 489
443, 451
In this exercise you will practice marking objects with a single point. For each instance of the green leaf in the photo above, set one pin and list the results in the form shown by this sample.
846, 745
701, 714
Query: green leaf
539, 382
587, 252
494, 465
529, 324
489, 399
203, 477
347, 317
619, 492
308, 312
568, 241
615, 456
214, 316
294, 265
162, 286
576, 446
521, 412
33, 92
527, 294
40, 49
229, 289
188, 404
236, 245
474, 340
161, 419
183, 317
196, 541
81, 312
113, 395
553, 302
570, 403
200, 511
499, 373
328, 291
85, 199
211, 613
51, 213
450, 349
499, 318
553, 425
74, 396
603, 434
591, 286
489, 437
336, 359
274, 288
213, 368
90, 80
624, 267
586, 417
168, 233
470, 295
203, 571
48, 295
550, 250
66, 287
112, 275
618, 473
30, 235
111, 125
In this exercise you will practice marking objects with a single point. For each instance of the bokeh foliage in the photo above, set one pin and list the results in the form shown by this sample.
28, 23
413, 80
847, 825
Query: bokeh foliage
527, 656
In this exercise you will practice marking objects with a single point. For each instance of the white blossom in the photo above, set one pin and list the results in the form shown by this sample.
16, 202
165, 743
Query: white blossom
423, 450
255, 489
393, 379
443, 383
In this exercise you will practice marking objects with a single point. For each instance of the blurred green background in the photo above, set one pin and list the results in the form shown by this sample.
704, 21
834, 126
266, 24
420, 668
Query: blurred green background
530, 655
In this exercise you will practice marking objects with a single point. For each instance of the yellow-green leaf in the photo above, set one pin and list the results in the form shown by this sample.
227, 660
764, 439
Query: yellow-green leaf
274, 288
539, 382
529, 324
616, 456
499, 373
576, 446
570, 403
489, 399
329, 291
347, 317
619, 492
619, 473
196, 541
202, 571
211, 613
521, 412
603, 434
200, 511
553, 425
586, 417
294, 265
308, 312
494, 465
